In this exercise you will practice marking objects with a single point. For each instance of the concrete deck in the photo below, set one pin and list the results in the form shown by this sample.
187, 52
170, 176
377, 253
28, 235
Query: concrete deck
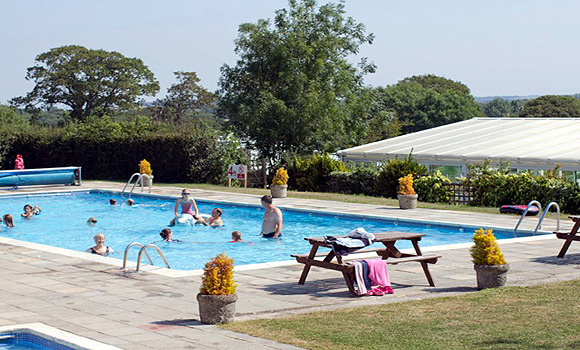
151, 311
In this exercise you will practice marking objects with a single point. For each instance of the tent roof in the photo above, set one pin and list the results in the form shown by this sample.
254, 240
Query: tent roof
524, 141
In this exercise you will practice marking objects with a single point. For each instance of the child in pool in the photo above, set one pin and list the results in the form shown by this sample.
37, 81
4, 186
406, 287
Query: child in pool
29, 211
112, 201
236, 237
92, 221
8, 220
130, 202
167, 235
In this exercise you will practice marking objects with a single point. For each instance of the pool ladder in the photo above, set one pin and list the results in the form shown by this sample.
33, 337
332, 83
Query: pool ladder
139, 180
141, 251
541, 219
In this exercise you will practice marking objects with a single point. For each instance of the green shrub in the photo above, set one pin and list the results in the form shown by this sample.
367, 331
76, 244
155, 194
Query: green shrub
391, 171
431, 188
485, 250
311, 173
109, 150
359, 181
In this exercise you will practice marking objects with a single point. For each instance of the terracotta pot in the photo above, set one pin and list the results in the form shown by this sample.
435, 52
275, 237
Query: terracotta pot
278, 191
217, 309
407, 201
491, 276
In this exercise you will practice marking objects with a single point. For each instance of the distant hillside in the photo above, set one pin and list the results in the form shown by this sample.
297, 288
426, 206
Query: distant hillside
509, 98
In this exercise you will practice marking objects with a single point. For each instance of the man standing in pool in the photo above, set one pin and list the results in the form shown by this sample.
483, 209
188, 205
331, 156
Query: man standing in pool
272, 220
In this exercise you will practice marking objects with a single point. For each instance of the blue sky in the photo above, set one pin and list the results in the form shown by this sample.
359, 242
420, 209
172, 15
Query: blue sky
516, 47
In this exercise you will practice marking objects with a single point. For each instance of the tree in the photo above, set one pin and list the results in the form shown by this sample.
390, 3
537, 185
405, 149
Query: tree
428, 101
552, 106
499, 107
88, 81
293, 89
183, 96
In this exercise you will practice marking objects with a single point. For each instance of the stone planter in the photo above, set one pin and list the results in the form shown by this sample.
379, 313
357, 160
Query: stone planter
491, 276
217, 309
147, 181
407, 201
278, 191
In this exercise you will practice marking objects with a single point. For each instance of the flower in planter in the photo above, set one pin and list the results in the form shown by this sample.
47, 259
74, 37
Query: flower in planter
145, 168
406, 185
486, 251
281, 177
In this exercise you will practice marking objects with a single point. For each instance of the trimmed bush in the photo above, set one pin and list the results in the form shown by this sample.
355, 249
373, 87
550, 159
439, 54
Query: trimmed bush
393, 170
109, 150
311, 173
431, 188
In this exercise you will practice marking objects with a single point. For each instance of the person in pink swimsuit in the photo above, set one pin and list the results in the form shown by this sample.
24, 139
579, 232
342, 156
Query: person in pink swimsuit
188, 206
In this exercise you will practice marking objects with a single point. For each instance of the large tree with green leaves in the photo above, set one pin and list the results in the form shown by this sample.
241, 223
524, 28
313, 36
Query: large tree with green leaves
187, 95
499, 107
293, 88
423, 102
552, 106
87, 81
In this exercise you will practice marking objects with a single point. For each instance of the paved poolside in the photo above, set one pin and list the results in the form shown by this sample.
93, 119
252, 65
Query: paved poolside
150, 311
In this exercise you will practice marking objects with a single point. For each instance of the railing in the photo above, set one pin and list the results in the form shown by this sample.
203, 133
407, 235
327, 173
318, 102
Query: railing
127, 251
539, 226
534, 202
143, 250
139, 180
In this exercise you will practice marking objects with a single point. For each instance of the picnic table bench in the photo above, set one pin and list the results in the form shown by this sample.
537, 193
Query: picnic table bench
569, 236
388, 252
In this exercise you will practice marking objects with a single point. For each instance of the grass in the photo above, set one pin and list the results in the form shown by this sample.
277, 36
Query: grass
539, 317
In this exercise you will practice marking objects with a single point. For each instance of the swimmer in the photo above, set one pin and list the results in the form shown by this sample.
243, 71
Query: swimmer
100, 248
92, 221
130, 202
188, 206
112, 201
8, 220
272, 220
29, 211
236, 237
215, 219
167, 235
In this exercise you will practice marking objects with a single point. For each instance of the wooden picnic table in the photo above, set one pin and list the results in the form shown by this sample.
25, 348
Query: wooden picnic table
569, 236
388, 252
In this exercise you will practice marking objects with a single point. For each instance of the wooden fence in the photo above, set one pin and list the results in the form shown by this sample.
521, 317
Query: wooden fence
460, 194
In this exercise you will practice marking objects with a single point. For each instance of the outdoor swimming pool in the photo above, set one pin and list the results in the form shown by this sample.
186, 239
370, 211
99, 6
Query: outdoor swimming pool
63, 224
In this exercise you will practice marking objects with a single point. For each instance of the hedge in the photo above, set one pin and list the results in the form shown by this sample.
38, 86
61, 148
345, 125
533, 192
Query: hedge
109, 150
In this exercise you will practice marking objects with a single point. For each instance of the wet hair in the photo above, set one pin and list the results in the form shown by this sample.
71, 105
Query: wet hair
92, 220
112, 201
165, 233
27, 205
97, 235
130, 202
8, 220
266, 199
237, 236
219, 211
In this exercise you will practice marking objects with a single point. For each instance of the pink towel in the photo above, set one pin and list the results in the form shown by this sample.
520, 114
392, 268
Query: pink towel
378, 272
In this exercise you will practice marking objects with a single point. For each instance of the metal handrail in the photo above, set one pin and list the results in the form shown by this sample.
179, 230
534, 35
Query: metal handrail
128, 182
143, 249
127, 251
539, 226
139, 180
538, 204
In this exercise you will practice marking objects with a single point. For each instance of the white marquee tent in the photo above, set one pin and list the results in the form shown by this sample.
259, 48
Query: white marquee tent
526, 143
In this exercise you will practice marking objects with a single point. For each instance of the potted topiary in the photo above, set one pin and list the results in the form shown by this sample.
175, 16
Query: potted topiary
406, 194
489, 263
145, 169
217, 296
279, 183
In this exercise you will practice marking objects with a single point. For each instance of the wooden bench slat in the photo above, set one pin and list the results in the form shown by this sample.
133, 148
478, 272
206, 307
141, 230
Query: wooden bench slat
303, 258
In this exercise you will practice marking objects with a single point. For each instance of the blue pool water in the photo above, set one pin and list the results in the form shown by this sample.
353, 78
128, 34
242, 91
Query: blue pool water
28, 341
63, 224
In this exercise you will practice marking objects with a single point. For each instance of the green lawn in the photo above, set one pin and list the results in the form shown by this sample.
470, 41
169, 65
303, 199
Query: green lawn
540, 317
